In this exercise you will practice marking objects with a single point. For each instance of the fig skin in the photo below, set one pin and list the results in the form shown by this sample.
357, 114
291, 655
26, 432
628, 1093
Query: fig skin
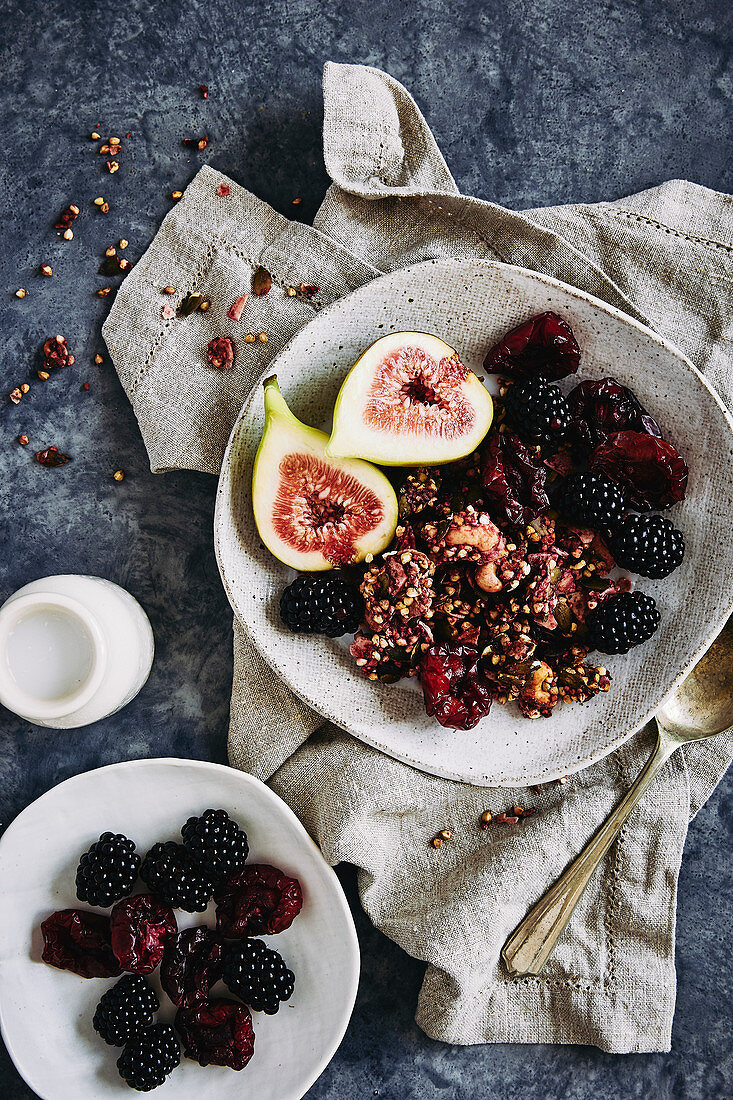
447, 410
292, 454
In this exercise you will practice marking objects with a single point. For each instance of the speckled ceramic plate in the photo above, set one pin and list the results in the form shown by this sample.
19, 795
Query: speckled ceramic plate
470, 304
46, 1014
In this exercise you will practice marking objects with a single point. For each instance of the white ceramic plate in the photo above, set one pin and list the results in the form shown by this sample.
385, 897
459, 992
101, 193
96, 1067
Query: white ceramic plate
46, 1014
470, 304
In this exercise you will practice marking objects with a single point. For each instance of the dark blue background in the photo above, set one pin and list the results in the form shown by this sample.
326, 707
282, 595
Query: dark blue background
536, 102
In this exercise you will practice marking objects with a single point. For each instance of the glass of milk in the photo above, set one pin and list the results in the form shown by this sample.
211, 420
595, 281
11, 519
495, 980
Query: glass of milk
73, 649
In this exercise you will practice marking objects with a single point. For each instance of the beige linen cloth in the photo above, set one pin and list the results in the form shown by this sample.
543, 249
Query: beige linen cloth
664, 257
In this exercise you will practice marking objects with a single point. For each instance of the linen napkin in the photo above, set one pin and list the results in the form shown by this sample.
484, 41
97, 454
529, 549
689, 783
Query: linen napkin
663, 257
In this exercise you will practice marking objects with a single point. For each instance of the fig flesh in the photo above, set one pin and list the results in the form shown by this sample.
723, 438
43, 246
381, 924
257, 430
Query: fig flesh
314, 512
409, 400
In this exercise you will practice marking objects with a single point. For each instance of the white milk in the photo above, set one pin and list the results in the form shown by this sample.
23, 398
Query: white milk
49, 653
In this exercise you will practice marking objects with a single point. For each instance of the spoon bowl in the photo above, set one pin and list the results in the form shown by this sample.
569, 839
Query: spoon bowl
702, 705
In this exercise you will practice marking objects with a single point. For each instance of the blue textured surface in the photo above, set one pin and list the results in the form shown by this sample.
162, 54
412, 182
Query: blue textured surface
533, 103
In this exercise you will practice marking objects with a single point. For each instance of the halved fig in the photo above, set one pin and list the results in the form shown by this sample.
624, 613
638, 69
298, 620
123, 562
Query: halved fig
409, 400
314, 512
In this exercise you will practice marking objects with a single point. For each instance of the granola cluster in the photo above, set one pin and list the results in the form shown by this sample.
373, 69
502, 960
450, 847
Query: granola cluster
480, 609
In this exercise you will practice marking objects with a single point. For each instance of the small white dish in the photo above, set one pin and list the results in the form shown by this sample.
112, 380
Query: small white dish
470, 304
46, 1014
73, 650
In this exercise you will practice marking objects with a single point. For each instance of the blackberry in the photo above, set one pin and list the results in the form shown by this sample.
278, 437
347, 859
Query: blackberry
537, 410
258, 976
319, 604
108, 871
149, 1057
648, 545
591, 500
617, 624
126, 1008
171, 874
216, 842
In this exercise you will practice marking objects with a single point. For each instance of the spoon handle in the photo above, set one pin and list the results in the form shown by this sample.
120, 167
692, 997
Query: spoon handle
532, 941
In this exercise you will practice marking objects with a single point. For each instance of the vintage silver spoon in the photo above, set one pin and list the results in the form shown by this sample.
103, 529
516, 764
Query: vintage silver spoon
701, 706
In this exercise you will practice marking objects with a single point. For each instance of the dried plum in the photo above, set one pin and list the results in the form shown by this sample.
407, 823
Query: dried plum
218, 1032
599, 409
76, 940
140, 927
257, 900
192, 963
454, 688
651, 471
544, 346
514, 479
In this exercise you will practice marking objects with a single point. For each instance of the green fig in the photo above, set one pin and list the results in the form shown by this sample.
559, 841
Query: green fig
314, 512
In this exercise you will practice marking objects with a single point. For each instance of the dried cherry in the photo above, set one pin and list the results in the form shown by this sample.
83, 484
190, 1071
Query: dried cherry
76, 940
140, 927
651, 471
544, 345
256, 900
600, 409
454, 688
218, 1032
514, 479
192, 963
220, 353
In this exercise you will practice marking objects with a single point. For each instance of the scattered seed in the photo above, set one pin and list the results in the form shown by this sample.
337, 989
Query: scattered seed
291, 292
205, 305
104, 208
98, 358
23, 440
16, 395
123, 243
98, 201
103, 291
68, 234
85, 386
112, 166
46, 269
445, 834
176, 195
200, 143
261, 282
24, 387
103, 149
190, 303
20, 292
297, 202
44, 375
52, 456
119, 475
486, 818
95, 136
250, 338
169, 290
263, 337
67, 217
437, 842
114, 141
